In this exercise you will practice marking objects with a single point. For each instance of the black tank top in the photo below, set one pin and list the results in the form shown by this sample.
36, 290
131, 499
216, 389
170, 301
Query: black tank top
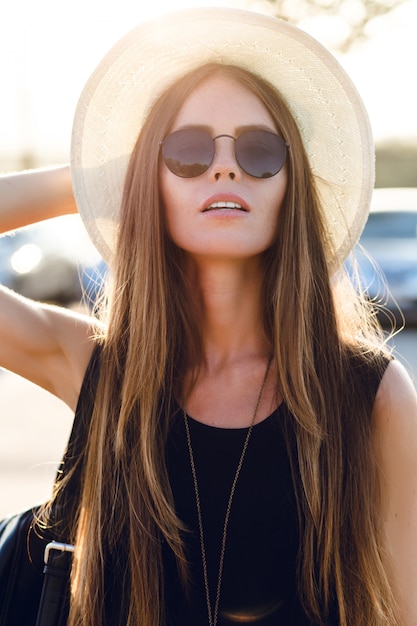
259, 576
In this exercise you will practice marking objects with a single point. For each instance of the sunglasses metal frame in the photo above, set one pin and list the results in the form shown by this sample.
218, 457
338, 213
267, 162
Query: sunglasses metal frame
206, 166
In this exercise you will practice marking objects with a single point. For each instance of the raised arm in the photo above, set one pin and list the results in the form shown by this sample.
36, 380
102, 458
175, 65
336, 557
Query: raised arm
32, 196
48, 345
395, 414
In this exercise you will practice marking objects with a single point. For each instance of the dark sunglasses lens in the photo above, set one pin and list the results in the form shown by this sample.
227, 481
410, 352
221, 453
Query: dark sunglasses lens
188, 153
260, 153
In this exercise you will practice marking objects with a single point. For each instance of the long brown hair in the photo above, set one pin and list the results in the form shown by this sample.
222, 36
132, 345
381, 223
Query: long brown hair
153, 336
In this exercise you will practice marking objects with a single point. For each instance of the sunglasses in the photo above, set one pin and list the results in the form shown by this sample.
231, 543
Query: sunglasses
190, 152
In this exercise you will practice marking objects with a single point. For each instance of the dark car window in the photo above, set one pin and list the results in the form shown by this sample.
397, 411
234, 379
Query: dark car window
391, 225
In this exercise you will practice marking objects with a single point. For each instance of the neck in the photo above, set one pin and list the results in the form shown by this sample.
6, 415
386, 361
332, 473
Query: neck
219, 389
230, 303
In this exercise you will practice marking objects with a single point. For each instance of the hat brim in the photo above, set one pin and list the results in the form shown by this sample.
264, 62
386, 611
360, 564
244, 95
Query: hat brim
323, 100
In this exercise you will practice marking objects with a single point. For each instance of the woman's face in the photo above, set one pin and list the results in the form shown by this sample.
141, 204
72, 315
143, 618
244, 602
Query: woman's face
222, 106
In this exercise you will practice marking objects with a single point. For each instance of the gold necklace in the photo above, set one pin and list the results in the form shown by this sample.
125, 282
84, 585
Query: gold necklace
213, 615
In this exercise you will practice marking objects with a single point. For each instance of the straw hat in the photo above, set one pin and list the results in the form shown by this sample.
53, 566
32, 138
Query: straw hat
324, 102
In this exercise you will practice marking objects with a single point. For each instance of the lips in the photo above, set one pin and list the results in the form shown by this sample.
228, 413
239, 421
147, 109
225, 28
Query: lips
224, 205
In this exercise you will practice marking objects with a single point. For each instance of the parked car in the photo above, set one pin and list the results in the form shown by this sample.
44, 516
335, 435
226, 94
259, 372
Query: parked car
93, 279
389, 273
47, 261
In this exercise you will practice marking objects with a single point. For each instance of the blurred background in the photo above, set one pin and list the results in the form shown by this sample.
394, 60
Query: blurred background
48, 49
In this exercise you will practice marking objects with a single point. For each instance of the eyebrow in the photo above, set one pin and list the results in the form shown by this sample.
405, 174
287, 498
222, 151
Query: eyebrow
239, 130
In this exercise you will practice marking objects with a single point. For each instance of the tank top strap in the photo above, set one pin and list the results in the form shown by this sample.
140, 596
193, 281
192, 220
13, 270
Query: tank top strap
75, 451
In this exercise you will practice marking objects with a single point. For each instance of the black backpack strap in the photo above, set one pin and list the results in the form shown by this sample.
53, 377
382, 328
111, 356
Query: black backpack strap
54, 602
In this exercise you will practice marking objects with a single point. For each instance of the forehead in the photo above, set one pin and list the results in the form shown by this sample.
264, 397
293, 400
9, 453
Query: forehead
221, 102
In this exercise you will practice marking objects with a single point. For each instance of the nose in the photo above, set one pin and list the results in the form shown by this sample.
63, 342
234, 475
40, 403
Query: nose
224, 163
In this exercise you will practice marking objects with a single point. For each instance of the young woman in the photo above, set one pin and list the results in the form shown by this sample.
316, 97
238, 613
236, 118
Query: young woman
252, 447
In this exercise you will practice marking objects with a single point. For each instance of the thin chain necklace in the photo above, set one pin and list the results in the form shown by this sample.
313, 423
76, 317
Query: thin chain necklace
213, 614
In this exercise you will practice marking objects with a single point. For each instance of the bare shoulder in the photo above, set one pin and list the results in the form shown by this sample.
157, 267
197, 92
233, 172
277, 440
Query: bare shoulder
395, 429
395, 417
396, 399
48, 345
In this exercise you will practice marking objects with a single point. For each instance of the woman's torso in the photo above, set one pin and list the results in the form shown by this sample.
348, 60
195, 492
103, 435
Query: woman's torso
259, 581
